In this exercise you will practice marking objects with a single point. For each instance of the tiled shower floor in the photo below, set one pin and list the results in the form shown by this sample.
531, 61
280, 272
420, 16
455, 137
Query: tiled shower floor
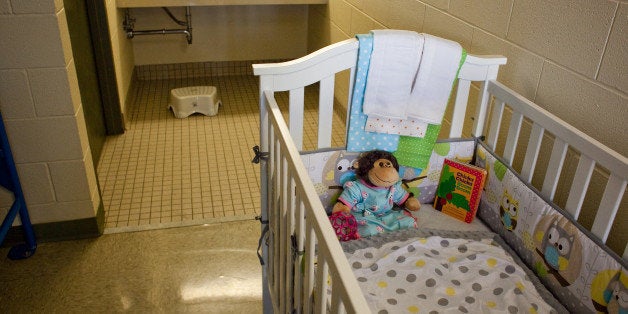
164, 172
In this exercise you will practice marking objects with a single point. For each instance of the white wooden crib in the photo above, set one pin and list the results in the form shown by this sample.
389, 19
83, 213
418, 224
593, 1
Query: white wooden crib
301, 254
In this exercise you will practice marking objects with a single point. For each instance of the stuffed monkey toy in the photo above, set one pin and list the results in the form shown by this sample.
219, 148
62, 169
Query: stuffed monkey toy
370, 198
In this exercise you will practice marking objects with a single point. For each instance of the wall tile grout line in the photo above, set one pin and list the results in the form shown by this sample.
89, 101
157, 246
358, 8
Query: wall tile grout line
165, 171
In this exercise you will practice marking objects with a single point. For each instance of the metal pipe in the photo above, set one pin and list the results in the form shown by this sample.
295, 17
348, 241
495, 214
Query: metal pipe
164, 31
188, 19
182, 23
130, 33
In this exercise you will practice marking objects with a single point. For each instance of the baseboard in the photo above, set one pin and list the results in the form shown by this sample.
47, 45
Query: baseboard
196, 69
61, 230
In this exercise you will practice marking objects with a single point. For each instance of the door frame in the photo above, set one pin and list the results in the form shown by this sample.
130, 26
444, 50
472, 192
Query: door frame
105, 66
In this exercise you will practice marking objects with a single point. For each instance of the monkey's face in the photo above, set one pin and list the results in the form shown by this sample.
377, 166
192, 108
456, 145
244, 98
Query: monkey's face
383, 174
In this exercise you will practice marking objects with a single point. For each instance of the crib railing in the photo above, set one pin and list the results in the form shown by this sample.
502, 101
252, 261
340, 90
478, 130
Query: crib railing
299, 281
591, 153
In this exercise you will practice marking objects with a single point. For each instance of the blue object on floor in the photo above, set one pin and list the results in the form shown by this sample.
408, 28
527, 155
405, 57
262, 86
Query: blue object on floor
10, 181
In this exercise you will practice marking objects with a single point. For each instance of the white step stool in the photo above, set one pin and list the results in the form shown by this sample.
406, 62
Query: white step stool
185, 101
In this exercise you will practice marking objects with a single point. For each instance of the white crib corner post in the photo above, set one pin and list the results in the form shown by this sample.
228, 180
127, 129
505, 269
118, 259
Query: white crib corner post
460, 108
265, 84
350, 97
483, 101
264, 145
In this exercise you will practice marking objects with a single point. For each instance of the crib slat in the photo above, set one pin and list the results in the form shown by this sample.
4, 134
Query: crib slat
513, 136
481, 110
283, 236
276, 215
532, 152
298, 275
496, 121
325, 111
460, 108
289, 233
309, 258
336, 302
554, 168
273, 143
321, 282
296, 100
608, 206
579, 185
270, 276
625, 256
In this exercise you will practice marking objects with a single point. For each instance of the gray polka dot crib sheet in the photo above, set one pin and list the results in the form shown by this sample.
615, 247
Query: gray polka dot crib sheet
432, 273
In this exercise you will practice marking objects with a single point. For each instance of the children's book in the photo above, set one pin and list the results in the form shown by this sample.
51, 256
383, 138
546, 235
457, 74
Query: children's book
459, 190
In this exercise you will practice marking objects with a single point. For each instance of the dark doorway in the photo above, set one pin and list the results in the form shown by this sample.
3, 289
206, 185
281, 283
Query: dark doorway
91, 48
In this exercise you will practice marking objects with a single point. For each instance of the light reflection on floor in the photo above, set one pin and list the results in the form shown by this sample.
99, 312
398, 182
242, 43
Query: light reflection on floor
208, 269
222, 288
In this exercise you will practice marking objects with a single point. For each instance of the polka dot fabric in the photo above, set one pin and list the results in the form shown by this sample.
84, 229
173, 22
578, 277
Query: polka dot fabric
407, 127
415, 152
442, 275
359, 140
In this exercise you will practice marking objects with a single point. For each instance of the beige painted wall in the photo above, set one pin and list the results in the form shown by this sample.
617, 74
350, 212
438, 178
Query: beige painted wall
222, 33
42, 111
122, 53
230, 33
570, 57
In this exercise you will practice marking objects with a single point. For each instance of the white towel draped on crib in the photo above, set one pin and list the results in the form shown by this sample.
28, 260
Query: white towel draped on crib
409, 81
394, 65
437, 71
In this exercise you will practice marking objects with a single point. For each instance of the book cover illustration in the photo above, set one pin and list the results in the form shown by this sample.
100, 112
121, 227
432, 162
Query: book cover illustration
459, 190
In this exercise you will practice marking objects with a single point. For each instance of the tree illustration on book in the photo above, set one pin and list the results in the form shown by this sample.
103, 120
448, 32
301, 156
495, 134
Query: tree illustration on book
447, 191
459, 190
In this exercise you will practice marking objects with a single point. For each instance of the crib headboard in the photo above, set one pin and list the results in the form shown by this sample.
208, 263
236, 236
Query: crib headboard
322, 65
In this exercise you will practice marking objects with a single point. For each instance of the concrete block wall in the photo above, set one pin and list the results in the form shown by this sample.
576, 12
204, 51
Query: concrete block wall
41, 106
561, 54
570, 57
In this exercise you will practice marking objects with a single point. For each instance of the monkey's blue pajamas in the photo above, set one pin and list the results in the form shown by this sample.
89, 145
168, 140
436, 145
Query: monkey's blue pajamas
372, 207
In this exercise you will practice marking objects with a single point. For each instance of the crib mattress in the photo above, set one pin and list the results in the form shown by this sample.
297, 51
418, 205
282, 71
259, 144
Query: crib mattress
423, 270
